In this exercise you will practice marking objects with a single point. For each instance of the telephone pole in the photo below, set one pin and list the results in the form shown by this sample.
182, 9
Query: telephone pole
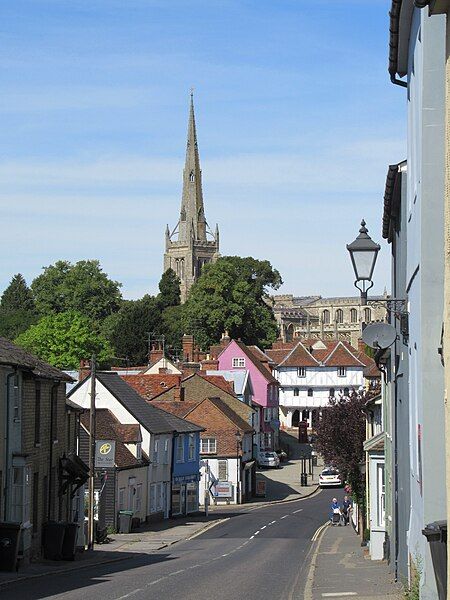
91, 457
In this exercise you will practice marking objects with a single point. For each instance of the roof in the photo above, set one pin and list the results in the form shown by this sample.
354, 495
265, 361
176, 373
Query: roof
256, 362
107, 427
399, 28
175, 407
13, 355
150, 385
299, 357
342, 356
219, 381
260, 354
372, 370
239, 378
237, 420
152, 418
392, 199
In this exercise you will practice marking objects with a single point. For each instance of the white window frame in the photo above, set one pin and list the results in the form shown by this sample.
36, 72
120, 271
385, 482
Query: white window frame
166, 451
222, 465
139, 450
301, 372
238, 362
208, 445
342, 371
191, 447
138, 499
180, 448
156, 452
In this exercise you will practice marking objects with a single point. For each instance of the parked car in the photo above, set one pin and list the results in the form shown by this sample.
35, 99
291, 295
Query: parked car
330, 477
268, 459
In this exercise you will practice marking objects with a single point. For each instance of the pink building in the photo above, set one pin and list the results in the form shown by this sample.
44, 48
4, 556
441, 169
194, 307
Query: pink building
235, 356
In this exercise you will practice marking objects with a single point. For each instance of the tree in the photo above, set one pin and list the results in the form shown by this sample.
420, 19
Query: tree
64, 339
17, 308
172, 328
169, 290
231, 295
340, 437
128, 330
82, 287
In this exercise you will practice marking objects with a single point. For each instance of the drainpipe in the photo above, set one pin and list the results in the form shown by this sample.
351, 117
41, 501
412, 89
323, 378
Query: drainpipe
7, 458
51, 498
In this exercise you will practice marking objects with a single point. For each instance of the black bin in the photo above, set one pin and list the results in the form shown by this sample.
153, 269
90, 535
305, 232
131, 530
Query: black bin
70, 541
304, 479
9, 545
436, 534
53, 540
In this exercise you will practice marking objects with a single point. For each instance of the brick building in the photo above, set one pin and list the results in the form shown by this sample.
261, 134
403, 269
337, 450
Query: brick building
38, 466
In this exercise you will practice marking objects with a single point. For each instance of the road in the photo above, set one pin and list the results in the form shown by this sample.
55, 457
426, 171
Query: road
255, 555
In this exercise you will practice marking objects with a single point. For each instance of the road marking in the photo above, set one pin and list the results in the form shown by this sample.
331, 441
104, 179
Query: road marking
130, 594
177, 572
252, 537
257, 532
296, 511
319, 531
285, 517
272, 522
263, 527
338, 594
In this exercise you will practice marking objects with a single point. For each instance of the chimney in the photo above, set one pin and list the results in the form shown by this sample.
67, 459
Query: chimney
84, 369
209, 364
188, 348
156, 353
178, 394
225, 339
361, 345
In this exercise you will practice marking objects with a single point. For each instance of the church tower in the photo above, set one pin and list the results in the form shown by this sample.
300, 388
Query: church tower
191, 244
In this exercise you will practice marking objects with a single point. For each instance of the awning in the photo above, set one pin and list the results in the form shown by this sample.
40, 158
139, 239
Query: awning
73, 472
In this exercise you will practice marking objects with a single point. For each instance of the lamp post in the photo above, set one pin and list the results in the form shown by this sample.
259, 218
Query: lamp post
238, 469
363, 253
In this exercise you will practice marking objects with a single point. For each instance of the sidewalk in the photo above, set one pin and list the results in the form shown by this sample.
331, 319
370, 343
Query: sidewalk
150, 538
340, 568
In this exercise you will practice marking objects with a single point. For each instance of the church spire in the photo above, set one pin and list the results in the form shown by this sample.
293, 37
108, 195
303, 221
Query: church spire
192, 209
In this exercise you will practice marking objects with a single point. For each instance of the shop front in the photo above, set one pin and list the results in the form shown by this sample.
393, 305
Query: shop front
185, 494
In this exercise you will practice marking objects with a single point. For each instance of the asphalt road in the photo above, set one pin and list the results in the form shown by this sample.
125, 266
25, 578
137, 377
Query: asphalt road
255, 555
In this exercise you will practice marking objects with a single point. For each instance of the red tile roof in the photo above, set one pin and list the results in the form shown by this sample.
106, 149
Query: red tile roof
342, 356
149, 386
175, 407
299, 357
219, 381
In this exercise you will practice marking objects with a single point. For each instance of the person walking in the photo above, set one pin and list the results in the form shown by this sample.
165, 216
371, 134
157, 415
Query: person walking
346, 510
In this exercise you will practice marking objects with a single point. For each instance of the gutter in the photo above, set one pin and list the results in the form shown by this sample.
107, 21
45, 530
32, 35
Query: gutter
394, 15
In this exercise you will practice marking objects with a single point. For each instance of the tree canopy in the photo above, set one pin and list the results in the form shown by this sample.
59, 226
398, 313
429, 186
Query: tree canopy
64, 339
230, 295
17, 308
169, 290
82, 287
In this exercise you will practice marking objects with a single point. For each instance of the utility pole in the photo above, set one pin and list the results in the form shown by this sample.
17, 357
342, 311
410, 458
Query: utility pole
91, 457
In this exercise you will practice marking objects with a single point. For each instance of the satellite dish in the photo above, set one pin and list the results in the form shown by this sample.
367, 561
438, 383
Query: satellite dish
379, 335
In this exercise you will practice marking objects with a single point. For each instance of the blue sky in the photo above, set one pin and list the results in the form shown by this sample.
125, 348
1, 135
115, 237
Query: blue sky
296, 119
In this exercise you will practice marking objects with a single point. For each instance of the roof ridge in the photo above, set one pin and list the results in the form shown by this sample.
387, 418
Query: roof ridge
295, 348
340, 343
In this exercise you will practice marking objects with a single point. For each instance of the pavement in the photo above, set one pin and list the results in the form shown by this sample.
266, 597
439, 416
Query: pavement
340, 568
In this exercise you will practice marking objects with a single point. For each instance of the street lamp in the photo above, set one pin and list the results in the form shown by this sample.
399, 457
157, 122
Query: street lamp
363, 253
238, 470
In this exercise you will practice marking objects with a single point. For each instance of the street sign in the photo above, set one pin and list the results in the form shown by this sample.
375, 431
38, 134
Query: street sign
223, 489
105, 454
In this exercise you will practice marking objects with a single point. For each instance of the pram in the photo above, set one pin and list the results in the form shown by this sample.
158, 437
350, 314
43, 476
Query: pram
336, 517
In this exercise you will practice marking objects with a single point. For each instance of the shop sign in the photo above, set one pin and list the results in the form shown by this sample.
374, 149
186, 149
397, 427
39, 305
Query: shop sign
105, 454
222, 489
180, 479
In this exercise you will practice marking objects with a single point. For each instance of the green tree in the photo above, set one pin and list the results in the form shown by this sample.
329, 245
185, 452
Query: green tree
81, 287
231, 295
169, 290
64, 339
128, 330
172, 328
17, 308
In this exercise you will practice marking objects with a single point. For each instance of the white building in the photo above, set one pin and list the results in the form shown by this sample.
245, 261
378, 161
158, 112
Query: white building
310, 373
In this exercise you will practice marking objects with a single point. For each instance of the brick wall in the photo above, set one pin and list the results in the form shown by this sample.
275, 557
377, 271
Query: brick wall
217, 426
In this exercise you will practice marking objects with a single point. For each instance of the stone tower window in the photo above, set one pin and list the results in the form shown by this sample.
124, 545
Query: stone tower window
339, 316
191, 177
353, 315
367, 315
326, 317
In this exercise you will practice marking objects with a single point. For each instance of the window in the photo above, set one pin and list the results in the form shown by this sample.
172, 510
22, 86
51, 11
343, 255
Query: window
138, 502
191, 177
353, 315
222, 470
346, 392
155, 452
267, 441
326, 317
166, 452
54, 411
301, 372
332, 392
192, 497
21, 494
153, 505
310, 392
238, 362
267, 414
180, 448
37, 412
367, 315
191, 447
339, 315
296, 392
208, 446
139, 450
342, 371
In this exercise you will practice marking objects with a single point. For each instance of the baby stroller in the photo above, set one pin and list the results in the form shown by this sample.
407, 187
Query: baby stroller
336, 517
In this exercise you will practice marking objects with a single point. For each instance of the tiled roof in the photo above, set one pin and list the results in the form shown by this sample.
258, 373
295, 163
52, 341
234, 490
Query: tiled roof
150, 386
107, 427
278, 355
234, 417
177, 408
260, 354
153, 419
219, 381
13, 355
372, 371
342, 356
299, 357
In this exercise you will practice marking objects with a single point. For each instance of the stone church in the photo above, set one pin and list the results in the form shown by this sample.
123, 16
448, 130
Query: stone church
191, 244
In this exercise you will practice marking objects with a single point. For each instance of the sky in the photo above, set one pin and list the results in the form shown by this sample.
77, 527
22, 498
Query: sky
297, 122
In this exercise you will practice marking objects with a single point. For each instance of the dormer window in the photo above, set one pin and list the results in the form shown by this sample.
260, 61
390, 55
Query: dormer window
191, 177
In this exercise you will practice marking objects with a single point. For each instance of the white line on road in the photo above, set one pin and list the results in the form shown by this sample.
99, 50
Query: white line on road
296, 511
319, 531
251, 537
177, 572
130, 594
338, 594
272, 522
285, 517
263, 527
256, 532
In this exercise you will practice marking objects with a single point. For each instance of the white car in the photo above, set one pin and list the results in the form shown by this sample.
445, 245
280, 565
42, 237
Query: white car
268, 459
330, 477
